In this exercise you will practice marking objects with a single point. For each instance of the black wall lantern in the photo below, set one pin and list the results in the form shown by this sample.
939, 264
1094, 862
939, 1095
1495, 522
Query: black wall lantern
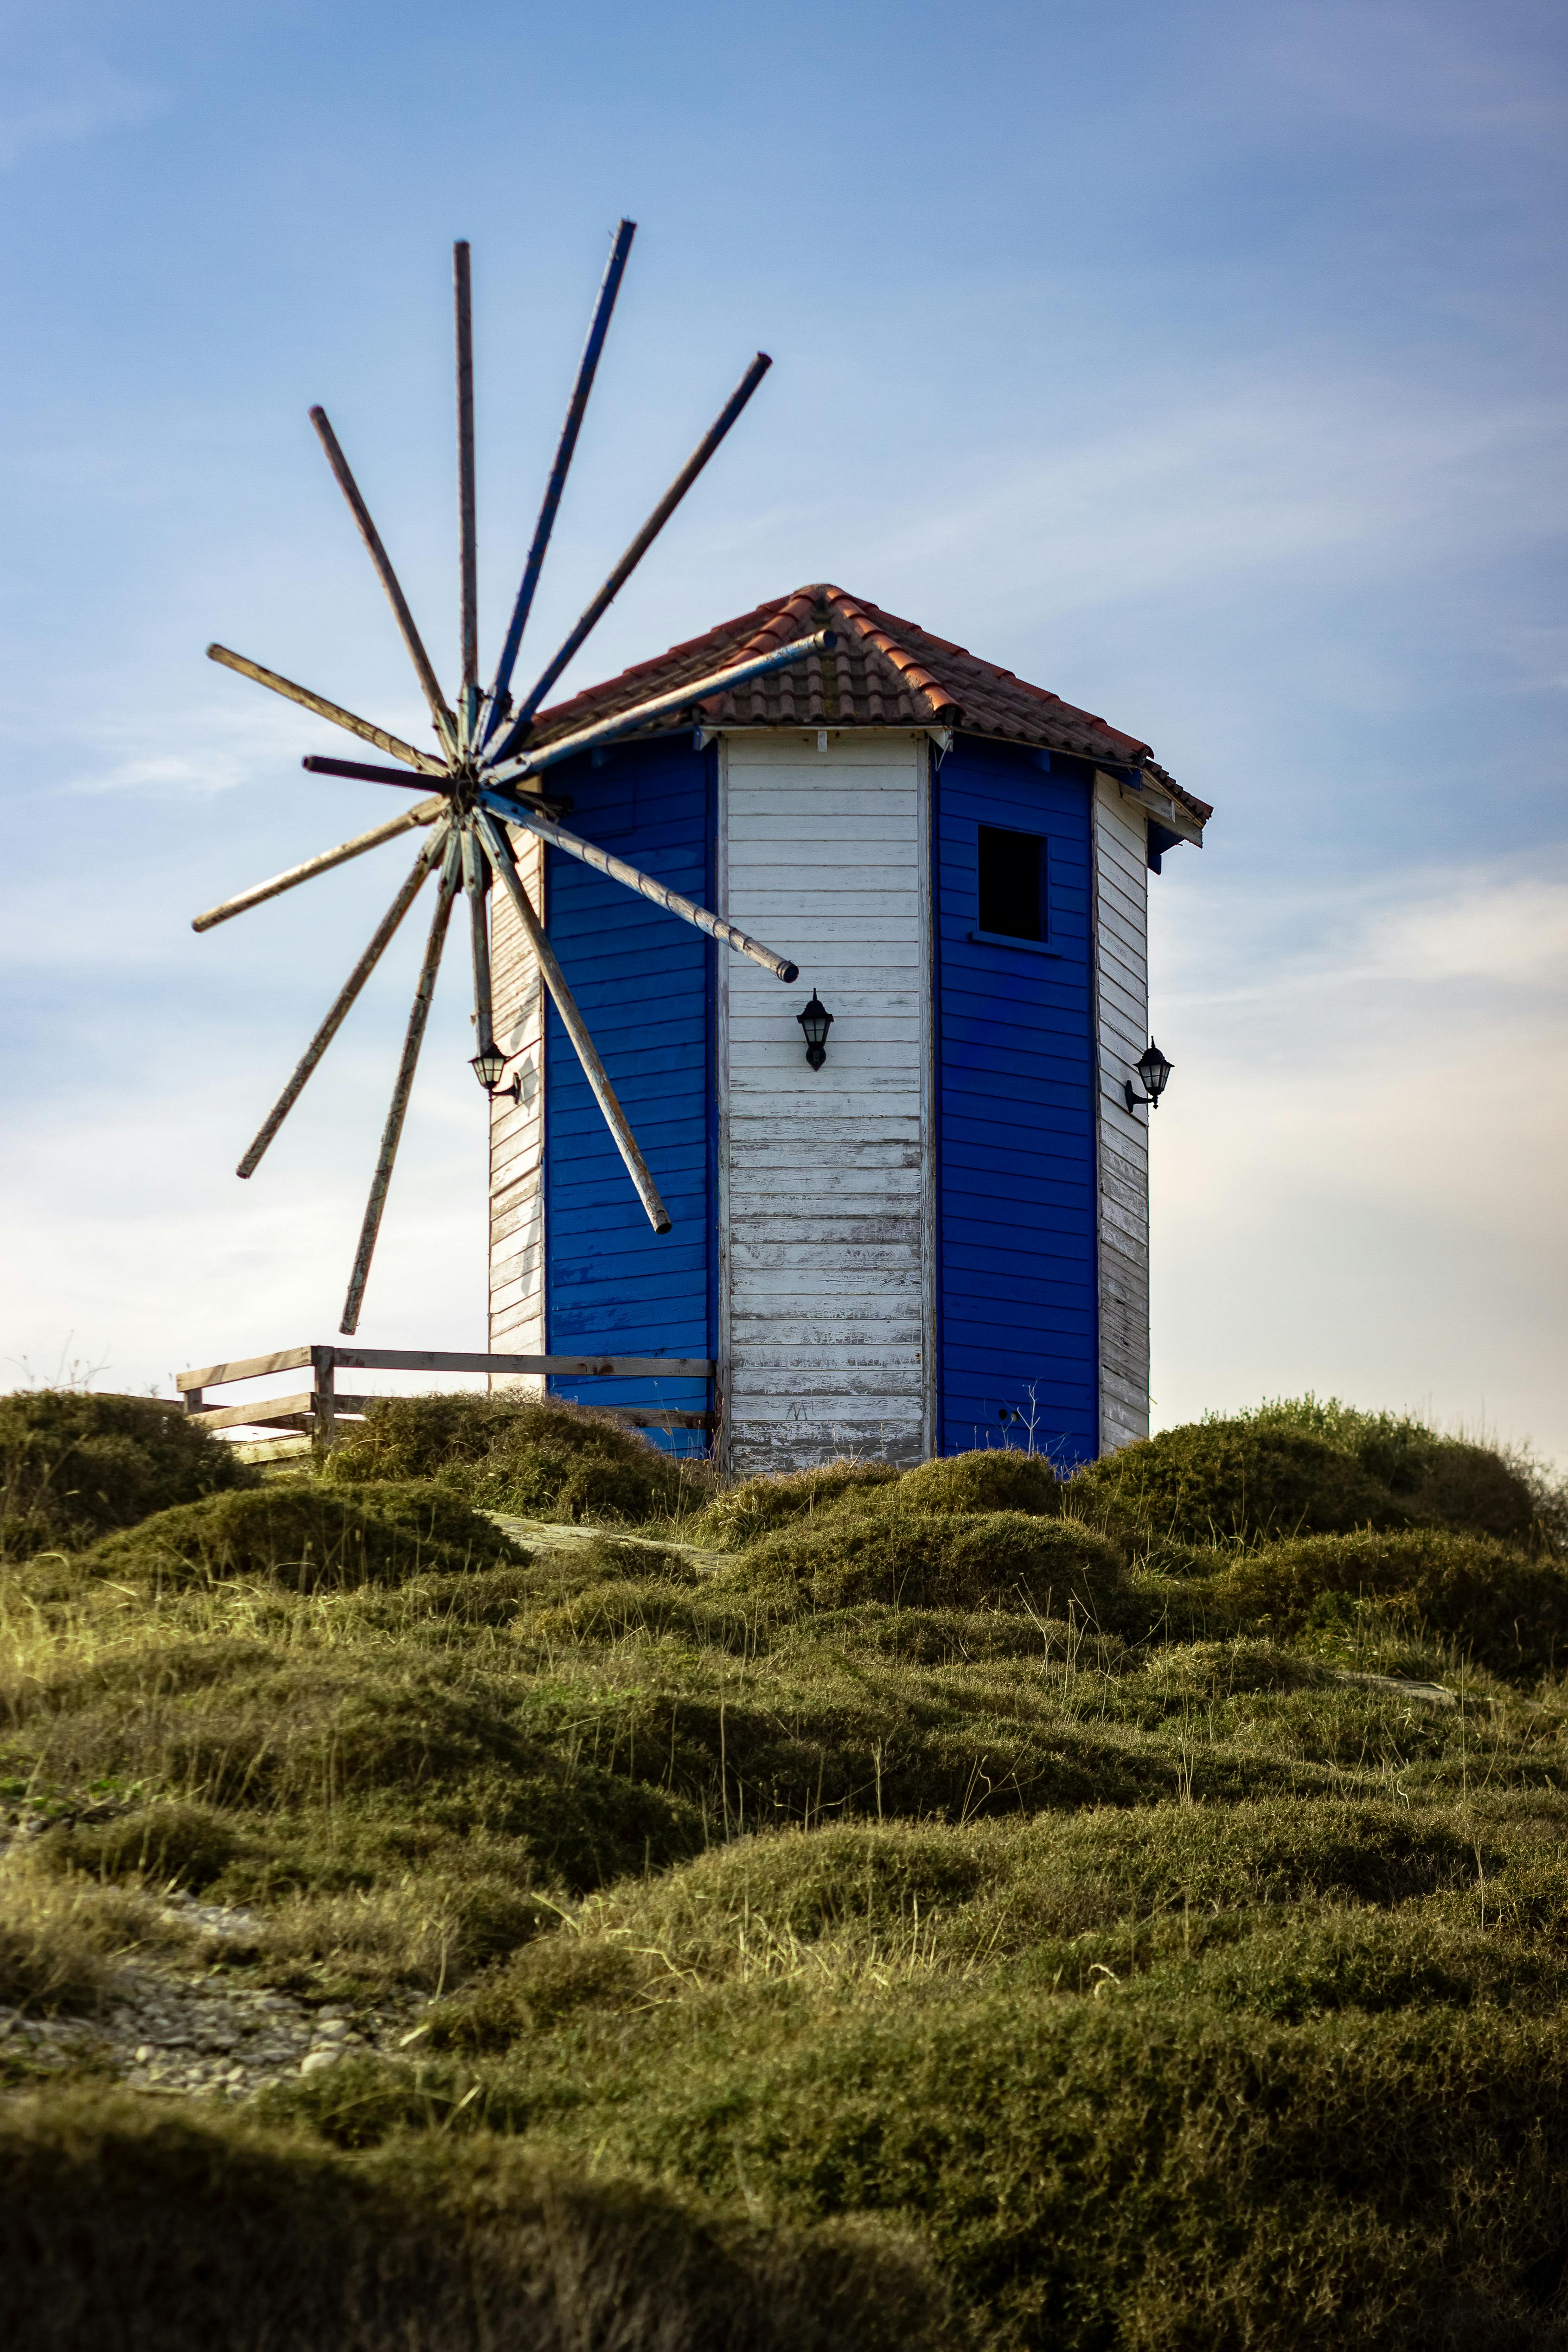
1154, 1071
487, 1067
816, 1021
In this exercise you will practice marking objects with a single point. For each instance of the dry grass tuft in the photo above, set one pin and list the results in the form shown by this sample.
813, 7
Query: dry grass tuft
60, 1938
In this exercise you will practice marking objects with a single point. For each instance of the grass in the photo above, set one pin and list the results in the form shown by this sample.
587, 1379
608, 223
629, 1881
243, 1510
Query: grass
60, 1936
74, 1464
124, 2223
957, 1908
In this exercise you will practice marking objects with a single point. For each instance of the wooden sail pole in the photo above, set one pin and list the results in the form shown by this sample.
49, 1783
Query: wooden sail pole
446, 725
426, 763
427, 813
392, 1133
344, 999
475, 877
638, 548
500, 697
467, 543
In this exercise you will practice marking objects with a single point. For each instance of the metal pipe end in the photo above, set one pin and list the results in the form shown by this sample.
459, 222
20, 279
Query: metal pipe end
791, 971
664, 1225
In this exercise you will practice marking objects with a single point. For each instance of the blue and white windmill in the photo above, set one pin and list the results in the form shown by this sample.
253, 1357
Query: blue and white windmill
910, 1194
899, 1203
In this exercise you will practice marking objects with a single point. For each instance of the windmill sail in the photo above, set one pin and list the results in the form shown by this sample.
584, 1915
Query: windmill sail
479, 794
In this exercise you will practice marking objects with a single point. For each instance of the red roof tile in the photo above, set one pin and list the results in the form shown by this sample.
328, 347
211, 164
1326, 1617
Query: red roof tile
884, 673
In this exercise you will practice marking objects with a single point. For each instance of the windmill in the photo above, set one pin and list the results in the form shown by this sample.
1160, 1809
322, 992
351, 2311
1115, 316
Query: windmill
486, 782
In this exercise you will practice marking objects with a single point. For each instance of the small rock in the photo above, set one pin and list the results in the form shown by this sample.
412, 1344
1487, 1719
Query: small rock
314, 2060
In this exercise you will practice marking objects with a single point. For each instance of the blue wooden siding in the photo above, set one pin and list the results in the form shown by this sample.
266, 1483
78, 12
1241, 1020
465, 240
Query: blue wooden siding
1014, 1083
643, 981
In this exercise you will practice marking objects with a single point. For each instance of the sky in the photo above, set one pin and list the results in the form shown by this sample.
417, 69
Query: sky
1204, 363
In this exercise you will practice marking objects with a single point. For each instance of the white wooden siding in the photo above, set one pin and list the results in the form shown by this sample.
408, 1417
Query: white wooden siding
826, 1267
1121, 1012
517, 1131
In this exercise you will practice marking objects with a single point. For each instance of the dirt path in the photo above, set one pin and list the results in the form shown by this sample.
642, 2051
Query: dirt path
556, 1535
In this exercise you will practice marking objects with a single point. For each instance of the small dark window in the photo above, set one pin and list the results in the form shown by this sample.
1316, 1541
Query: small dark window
1012, 883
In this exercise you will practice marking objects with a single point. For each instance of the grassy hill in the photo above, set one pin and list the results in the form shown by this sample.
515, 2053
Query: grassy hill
955, 1909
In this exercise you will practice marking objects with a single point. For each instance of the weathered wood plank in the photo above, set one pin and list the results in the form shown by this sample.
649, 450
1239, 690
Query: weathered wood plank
779, 1356
1121, 1024
850, 846
248, 1368
848, 949
770, 1228
827, 1407
629, 1368
784, 910
862, 809
1130, 962
759, 1016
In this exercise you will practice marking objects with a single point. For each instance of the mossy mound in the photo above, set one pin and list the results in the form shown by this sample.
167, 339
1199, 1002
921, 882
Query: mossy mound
128, 2222
1299, 1467
534, 1455
1213, 1481
179, 1842
938, 1559
1496, 1605
1487, 1490
992, 1480
758, 1505
74, 1464
306, 1537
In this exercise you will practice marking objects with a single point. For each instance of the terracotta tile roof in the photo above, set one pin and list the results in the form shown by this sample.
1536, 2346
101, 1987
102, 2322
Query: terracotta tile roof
884, 673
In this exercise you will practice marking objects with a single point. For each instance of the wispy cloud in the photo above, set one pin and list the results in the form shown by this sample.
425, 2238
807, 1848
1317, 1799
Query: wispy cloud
1505, 923
1266, 476
1362, 1185
169, 755
70, 96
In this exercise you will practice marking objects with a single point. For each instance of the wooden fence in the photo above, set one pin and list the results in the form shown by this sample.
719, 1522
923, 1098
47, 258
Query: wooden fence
316, 1410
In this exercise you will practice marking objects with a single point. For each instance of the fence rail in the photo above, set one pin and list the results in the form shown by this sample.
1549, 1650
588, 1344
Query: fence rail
315, 1412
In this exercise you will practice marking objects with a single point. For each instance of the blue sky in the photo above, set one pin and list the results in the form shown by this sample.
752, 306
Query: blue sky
1203, 362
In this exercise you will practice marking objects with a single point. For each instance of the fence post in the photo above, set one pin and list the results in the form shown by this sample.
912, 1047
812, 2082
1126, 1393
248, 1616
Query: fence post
324, 1404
